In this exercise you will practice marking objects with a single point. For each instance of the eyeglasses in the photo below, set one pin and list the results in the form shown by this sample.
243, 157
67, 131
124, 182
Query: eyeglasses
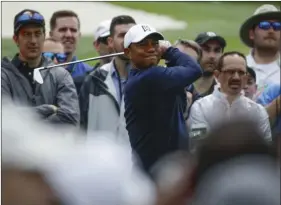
60, 57
232, 72
26, 17
266, 25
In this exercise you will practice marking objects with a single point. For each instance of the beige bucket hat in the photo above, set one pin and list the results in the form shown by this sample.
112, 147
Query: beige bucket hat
264, 12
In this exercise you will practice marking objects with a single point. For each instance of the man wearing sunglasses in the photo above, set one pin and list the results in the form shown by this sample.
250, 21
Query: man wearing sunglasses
56, 99
227, 102
54, 50
261, 32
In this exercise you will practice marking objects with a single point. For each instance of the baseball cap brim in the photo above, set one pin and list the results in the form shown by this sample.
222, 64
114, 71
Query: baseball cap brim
137, 39
30, 22
219, 39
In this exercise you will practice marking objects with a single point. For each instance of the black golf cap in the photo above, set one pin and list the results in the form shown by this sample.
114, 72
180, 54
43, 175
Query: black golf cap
204, 37
18, 24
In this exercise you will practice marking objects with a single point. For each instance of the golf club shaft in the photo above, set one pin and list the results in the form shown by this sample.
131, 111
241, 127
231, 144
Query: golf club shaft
85, 60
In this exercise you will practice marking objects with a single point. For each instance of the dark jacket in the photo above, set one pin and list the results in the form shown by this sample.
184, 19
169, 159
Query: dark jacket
154, 106
58, 89
100, 109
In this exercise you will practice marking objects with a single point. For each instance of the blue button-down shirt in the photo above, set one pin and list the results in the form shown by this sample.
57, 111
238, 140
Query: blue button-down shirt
119, 85
267, 96
78, 69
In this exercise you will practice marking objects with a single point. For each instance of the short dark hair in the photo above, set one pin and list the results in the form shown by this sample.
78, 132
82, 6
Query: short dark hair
60, 14
229, 53
118, 20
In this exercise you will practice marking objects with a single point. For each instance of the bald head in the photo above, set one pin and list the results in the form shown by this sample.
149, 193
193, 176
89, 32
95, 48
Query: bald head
53, 46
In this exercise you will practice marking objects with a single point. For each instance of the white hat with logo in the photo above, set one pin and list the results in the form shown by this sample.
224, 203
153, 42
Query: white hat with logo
139, 32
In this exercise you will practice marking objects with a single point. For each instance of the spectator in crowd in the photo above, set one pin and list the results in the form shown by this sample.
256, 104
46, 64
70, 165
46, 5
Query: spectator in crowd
261, 32
65, 26
101, 97
270, 98
153, 103
56, 99
251, 86
54, 50
101, 42
212, 46
227, 102
190, 48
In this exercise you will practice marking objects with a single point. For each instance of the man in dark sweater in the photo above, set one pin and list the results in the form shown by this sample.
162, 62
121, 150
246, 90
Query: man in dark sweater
153, 94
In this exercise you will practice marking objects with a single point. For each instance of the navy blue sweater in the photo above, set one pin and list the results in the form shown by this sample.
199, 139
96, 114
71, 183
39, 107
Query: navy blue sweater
154, 106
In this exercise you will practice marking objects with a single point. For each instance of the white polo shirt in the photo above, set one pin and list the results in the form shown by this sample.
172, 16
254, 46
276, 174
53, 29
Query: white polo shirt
265, 73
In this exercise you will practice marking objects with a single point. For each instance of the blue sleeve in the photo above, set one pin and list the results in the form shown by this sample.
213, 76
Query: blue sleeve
88, 68
181, 70
269, 94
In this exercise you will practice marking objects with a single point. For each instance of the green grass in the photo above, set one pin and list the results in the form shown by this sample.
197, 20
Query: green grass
223, 18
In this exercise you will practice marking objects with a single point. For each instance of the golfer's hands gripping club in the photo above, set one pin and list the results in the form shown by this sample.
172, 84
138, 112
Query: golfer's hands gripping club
163, 46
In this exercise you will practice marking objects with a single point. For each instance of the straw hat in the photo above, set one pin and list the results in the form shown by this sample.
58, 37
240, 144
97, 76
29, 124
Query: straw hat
264, 12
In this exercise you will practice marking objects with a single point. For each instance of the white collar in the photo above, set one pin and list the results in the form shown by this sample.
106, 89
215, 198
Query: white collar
253, 62
217, 93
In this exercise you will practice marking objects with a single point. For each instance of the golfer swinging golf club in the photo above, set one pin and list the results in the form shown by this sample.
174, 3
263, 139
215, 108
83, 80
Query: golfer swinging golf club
154, 101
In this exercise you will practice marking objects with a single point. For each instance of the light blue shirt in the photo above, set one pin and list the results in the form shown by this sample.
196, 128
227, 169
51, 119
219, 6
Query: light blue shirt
266, 97
119, 83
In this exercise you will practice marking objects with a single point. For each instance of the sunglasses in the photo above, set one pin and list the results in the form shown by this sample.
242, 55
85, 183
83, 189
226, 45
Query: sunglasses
27, 17
60, 57
266, 25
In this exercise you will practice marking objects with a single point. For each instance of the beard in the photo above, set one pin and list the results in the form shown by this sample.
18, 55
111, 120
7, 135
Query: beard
207, 73
266, 46
123, 57
118, 49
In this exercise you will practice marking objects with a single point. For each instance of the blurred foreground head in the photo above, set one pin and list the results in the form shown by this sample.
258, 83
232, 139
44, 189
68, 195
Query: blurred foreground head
237, 166
246, 180
42, 167
231, 139
172, 175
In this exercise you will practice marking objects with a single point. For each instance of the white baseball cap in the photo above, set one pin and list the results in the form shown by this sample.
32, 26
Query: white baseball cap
103, 29
138, 32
